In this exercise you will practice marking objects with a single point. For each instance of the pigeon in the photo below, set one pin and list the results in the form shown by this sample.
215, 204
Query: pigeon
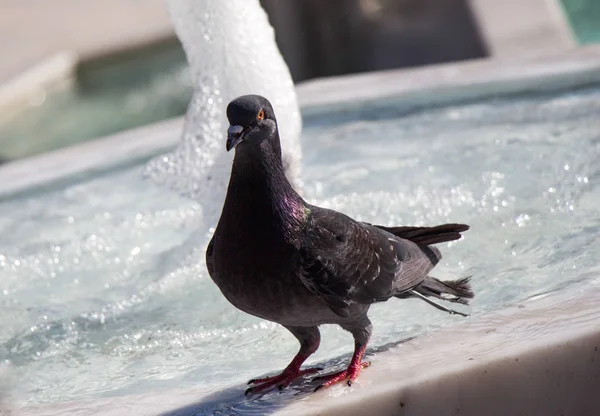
277, 257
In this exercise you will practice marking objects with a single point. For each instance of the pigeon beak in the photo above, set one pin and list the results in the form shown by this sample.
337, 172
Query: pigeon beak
235, 134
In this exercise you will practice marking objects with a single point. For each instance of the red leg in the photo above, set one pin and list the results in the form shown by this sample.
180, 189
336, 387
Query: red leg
291, 372
309, 342
350, 374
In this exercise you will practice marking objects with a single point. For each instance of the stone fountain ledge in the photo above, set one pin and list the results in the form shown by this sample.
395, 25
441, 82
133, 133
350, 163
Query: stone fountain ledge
536, 358
431, 85
541, 357
451, 82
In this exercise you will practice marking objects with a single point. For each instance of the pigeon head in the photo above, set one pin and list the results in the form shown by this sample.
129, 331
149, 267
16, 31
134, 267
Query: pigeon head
251, 120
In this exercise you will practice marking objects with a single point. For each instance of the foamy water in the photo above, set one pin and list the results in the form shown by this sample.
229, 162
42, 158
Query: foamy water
231, 49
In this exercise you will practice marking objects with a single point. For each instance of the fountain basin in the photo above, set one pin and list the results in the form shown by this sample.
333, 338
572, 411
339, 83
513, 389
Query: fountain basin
425, 86
471, 173
539, 358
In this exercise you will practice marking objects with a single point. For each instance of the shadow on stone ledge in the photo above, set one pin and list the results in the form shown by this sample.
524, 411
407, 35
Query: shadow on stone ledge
231, 401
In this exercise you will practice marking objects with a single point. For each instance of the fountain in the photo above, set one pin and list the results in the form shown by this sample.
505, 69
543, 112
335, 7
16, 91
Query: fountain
105, 303
231, 49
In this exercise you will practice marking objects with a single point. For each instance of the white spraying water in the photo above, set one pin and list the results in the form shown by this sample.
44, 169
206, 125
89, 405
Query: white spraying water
231, 49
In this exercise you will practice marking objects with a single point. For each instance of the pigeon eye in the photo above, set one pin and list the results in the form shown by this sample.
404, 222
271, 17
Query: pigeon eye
261, 115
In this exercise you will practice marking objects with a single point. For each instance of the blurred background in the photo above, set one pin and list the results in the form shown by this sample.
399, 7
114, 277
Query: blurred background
72, 71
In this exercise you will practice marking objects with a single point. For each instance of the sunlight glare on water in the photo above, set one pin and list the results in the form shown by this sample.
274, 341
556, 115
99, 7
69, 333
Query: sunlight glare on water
103, 288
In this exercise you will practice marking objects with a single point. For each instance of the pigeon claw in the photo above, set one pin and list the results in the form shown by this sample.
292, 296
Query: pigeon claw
279, 381
350, 374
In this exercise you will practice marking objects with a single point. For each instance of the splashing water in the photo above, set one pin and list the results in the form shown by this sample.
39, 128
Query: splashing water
231, 49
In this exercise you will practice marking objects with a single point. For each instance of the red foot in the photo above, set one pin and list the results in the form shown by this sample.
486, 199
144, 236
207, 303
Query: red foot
281, 380
350, 374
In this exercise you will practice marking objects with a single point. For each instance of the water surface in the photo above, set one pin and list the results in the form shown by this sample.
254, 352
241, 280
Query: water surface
103, 288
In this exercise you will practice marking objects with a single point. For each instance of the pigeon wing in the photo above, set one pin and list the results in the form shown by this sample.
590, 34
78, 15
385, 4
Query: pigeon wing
344, 261
428, 235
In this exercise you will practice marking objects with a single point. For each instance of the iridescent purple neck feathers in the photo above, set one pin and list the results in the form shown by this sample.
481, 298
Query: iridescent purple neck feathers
258, 184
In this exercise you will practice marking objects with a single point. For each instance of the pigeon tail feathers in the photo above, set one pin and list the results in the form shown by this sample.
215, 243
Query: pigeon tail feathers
457, 291
428, 235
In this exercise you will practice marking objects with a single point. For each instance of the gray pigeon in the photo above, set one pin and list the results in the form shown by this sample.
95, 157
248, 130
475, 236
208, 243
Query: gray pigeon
277, 257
